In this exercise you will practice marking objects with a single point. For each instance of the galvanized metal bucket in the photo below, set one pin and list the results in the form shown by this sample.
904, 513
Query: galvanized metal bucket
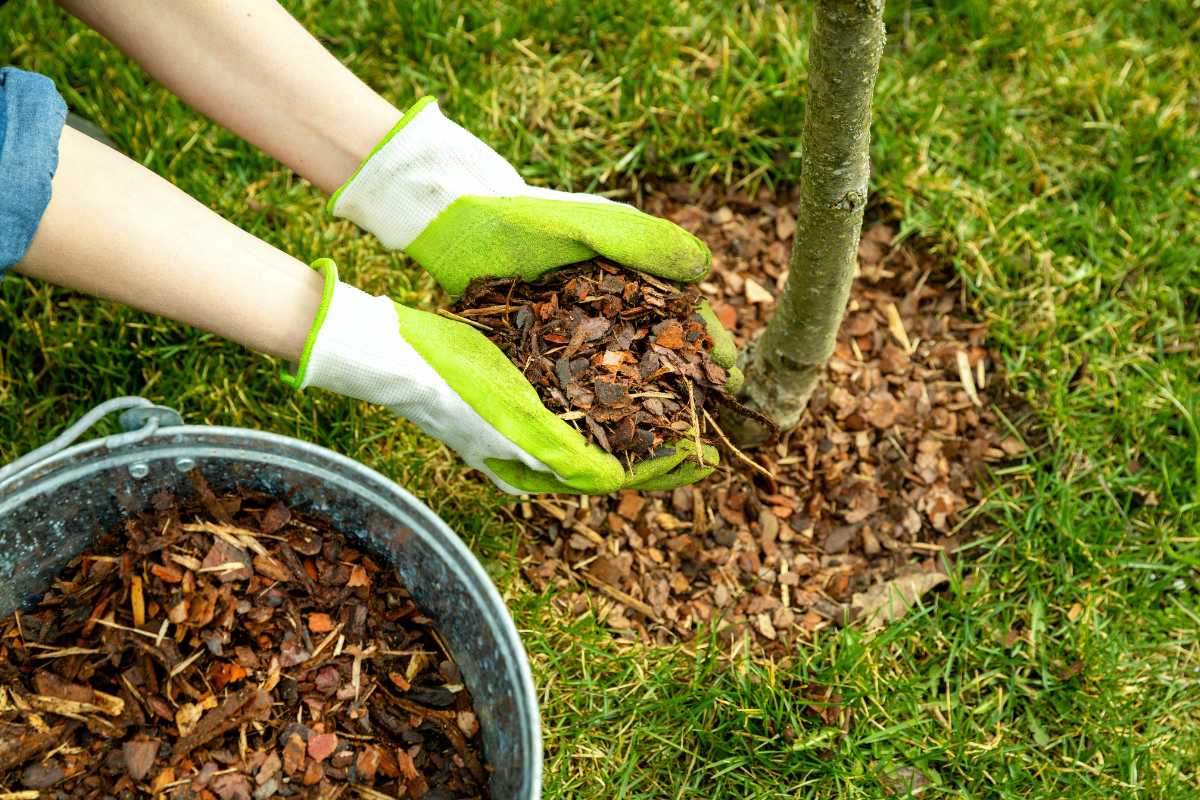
57, 499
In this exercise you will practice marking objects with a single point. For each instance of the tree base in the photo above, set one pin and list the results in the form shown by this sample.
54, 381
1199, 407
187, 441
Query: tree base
741, 430
783, 397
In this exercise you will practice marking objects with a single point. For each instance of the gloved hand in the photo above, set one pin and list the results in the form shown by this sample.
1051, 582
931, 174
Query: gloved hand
457, 386
455, 205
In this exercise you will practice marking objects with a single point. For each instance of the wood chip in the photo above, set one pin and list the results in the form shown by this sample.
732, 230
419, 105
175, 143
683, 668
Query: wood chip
139, 757
322, 745
755, 293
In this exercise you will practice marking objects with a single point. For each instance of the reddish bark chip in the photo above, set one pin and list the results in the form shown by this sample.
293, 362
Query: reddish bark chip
407, 767
313, 773
671, 336
328, 680
322, 745
293, 755
139, 757
367, 764
292, 653
320, 623
268, 769
231, 786
632, 502
275, 517
223, 673
227, 563
269, 567
166, 574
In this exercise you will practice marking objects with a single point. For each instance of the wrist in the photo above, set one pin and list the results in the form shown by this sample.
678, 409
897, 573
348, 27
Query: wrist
346, 143
366, 149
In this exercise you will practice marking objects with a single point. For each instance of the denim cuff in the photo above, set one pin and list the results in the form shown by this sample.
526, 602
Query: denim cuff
32, 113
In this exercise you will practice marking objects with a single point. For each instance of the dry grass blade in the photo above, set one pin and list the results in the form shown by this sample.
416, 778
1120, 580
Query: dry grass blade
67, 652
464, 319
699, 454
108, 623
183, 665
896, 327
965, 376
622, 597
238, 537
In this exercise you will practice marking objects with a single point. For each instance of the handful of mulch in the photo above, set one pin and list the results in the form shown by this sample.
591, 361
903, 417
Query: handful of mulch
621, 355
231, 648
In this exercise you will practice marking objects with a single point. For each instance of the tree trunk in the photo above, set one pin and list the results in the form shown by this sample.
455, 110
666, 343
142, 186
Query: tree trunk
782, 367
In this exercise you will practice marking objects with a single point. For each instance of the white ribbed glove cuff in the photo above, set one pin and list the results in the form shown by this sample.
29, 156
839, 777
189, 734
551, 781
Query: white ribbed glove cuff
425, 164
358, 352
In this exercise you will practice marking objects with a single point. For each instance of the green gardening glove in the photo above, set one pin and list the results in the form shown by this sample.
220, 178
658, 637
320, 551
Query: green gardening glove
445, 198
457, 386
455, 205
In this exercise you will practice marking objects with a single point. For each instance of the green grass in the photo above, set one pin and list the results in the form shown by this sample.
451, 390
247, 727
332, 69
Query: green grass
1050, 151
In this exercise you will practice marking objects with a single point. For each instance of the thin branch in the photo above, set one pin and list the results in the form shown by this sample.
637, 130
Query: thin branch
740, 455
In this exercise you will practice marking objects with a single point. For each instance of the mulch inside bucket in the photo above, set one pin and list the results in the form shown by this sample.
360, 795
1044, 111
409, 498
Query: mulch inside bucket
228, 647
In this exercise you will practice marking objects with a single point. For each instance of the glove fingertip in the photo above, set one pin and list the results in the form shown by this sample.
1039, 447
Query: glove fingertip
697, 258
674, 479
724, 351
734, 380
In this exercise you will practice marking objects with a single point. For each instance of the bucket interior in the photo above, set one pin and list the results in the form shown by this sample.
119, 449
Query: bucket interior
51, 513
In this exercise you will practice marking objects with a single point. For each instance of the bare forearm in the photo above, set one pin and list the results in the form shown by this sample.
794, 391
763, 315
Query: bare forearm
116, 230
251, 67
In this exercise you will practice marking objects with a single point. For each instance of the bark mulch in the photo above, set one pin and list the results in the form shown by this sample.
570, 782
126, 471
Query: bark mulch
229, 648
624, 357
870, 493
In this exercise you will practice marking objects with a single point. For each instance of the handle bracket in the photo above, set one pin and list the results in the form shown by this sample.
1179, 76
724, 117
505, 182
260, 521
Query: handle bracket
140, 419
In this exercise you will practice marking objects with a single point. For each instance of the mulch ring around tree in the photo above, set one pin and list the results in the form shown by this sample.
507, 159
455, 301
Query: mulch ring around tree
865, 501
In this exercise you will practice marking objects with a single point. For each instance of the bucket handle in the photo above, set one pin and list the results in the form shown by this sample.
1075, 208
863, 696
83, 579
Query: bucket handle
140, 419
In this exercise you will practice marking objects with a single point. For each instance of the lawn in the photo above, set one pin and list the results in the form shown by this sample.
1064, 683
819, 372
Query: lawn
1049, 151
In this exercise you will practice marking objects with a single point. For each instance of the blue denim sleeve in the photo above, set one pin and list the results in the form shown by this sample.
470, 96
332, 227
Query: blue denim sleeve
32, 113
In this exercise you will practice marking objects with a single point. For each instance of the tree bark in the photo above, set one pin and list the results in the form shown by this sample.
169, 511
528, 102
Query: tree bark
782, 367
